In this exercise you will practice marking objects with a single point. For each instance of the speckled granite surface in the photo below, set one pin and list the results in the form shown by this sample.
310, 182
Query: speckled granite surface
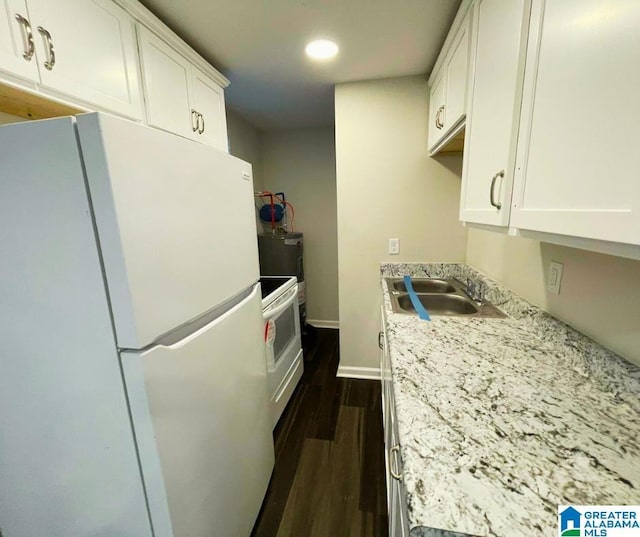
501, 420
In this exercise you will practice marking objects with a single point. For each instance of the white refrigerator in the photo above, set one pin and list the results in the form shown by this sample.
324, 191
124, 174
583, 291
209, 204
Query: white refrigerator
133, 391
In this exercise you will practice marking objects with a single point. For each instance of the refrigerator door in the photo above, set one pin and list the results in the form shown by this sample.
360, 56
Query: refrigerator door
204, 399
175, 221
68, 459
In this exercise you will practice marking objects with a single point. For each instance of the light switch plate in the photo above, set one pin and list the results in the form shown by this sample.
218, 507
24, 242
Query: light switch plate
394, 246
554, 277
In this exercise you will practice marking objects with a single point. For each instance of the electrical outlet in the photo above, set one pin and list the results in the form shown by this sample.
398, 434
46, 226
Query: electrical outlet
554, 277
394, 246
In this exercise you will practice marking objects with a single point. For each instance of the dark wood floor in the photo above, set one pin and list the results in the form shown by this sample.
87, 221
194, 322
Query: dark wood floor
328, 479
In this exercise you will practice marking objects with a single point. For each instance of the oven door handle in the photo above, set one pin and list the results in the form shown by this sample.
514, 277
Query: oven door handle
288, 300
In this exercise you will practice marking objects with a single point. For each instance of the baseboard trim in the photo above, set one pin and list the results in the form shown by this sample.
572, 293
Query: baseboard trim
371, 373
319, 323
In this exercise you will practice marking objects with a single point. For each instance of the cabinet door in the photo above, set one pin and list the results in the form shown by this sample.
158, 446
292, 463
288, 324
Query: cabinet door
398, 525
86, 49
397, 518
578, 157
457, 69
17, 48
500, 34
166, 76
208, 101
437, 96
384, 356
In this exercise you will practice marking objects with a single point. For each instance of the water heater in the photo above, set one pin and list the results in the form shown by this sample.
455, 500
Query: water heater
281, 255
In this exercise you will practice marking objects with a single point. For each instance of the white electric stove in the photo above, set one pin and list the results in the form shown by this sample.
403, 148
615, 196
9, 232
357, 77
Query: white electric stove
283, 340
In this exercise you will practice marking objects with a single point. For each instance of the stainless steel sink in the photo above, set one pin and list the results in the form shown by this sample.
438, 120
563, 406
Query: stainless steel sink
440, 304
431, 285
439, 297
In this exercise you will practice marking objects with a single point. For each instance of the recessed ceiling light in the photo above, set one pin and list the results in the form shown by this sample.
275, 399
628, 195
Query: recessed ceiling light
321, 49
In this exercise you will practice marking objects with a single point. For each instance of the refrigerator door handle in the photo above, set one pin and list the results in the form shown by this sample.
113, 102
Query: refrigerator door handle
182, 336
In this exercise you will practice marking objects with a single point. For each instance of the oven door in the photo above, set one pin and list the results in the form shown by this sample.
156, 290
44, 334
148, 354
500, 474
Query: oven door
282, 334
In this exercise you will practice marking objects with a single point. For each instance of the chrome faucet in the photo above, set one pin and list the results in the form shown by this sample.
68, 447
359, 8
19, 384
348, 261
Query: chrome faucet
474, 289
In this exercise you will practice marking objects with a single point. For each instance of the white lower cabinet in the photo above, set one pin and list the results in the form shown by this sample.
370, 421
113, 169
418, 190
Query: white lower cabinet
396, 501
179, 97
578, 158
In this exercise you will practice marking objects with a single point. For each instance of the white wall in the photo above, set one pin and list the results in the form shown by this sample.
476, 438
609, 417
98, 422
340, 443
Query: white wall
599, 295
301, 163
387, 186
244, 143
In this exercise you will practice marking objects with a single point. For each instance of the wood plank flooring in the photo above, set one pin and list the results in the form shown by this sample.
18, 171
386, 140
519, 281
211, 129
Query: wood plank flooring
328, 479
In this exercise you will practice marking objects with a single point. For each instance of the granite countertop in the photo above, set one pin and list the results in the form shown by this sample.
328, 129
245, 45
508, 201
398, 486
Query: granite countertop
502, 420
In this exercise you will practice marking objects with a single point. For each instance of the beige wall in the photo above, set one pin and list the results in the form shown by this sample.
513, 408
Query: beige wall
8, 118
387, 186
301, 163
244, 143
599, 295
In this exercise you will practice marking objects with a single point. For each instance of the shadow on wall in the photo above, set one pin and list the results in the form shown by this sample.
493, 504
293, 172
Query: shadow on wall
599, 295
450, 161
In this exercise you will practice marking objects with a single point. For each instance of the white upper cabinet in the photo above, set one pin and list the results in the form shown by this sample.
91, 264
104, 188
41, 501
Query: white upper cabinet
208, 105
500, 28
85, 55
578, 155
436, 110
17, 45
457, 68
83, 49
87, 48
449, 84
180, 98
166, 77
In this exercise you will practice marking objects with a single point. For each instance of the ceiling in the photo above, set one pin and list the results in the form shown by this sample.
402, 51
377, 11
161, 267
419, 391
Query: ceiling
259, 46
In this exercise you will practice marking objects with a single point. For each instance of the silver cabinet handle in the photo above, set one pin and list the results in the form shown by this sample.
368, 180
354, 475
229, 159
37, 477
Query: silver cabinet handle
48, 43
492, 200
441, 121
201, 129
394, 450
27, 36
380, 340
194, 124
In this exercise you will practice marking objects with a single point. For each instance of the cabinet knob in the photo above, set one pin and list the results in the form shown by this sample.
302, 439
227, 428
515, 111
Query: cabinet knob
27, 36
492, 200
